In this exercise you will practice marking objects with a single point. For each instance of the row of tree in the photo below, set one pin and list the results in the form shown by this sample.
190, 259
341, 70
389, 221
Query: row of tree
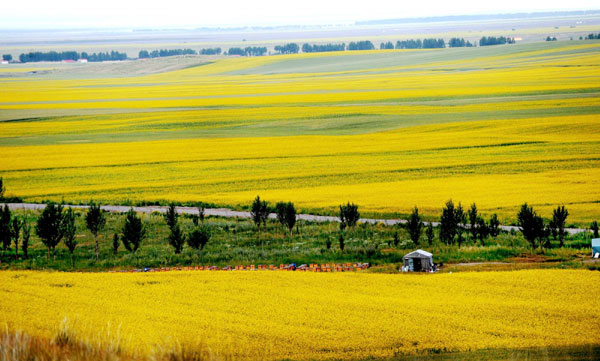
314, 48
492, 40
459, 43
210, 51
291, 48
248, 51
361, 45
144, 54
71, 55
593, 37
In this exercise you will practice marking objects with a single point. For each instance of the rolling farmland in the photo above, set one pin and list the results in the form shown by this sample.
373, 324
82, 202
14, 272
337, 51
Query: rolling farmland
385, 129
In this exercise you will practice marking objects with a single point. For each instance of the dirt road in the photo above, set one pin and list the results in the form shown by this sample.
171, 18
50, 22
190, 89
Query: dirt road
225, 212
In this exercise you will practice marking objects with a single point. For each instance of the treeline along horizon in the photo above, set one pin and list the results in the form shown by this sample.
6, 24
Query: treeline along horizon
290, 48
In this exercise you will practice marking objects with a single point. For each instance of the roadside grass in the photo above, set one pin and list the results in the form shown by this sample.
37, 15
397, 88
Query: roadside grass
236, 241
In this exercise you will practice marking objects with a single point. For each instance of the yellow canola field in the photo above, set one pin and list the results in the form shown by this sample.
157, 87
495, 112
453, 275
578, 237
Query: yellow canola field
513, 126
307, 316
498, 164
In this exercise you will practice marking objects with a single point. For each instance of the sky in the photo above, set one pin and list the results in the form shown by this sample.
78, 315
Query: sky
58, 14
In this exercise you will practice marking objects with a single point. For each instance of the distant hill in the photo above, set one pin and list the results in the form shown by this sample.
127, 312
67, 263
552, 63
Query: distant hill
434, 19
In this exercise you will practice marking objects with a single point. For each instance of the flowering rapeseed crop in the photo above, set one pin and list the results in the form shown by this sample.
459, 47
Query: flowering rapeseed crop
308, 316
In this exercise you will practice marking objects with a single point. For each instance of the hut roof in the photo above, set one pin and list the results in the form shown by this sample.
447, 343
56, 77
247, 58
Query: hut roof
419, 254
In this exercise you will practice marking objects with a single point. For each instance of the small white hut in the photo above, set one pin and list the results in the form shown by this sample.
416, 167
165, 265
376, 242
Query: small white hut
418, 261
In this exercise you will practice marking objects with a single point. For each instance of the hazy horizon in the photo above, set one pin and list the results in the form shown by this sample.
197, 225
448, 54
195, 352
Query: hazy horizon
112, 14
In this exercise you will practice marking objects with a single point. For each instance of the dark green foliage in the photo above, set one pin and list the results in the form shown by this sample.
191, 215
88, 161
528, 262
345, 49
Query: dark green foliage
210, 51
492, 40
171, 216
69, 229
483, 230
307, 48
349, 215
450, 223
592, 37
15, 231
396, 239
328, 243
409, 44
26, 236
494, 226
165, 52
286, 215
2, 188
341, 241
548, 38
115, 244
7, 57
133, 232
460, 219
433, 43
176, 238
386, 46
5, 233
414, 226
559, 218
49, 226
429, 233
71, 55
594, 228
459, 43
291, 48
473, 216
532, 225
259, 212
95, 222
199, 237
361, 45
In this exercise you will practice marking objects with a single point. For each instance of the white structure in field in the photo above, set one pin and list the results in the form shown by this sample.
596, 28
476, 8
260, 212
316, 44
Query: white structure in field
596, 247
4, 61
418, 261
82, 60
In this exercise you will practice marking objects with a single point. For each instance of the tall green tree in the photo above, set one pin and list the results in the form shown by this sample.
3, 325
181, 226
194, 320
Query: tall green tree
494, 225
49, 226
16, 226
472, 214
429, 233
460, 218
2, 188
414, 225
26, 236
349, 215
559, 219
483, 230
5, 232
176, 238
259, 212
70, 231
95, 222
116, 244
133, 232
594, 227
448, 226
531, 224
286, 215
171, 216
199, 237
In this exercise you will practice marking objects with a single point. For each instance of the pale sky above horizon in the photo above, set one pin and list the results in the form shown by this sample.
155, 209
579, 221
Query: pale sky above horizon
228, 13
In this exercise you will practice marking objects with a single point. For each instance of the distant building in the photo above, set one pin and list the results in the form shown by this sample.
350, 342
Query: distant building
82, 60
68, 61
418, 261
4, 61
596, 247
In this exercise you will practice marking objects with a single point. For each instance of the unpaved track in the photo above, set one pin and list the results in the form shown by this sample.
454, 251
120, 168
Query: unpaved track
225, 212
